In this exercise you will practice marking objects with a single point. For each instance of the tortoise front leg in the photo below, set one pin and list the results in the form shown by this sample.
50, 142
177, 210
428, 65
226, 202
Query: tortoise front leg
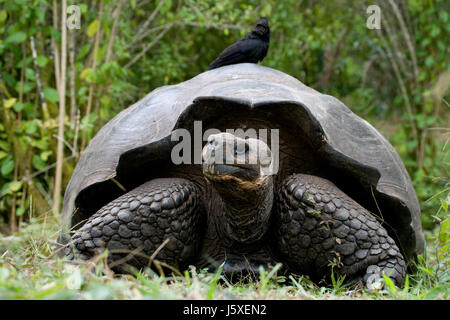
162, 210
320, 227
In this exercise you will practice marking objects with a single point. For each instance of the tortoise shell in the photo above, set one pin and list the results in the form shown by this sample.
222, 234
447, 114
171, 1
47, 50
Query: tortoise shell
363, 162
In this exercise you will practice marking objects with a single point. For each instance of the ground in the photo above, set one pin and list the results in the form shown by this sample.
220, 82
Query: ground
30, 269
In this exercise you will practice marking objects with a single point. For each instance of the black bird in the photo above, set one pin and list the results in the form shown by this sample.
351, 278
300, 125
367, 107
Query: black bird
251, 48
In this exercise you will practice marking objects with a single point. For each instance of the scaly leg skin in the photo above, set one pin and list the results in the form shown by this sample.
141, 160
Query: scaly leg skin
142, 220
318, 224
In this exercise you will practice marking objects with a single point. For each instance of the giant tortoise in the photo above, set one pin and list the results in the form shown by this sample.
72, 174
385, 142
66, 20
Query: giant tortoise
338, 197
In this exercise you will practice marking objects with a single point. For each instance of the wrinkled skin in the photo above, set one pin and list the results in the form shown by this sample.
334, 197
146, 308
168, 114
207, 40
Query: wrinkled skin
304, 222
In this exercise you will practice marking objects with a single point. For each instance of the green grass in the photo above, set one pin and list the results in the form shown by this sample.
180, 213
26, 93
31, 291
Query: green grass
30, 269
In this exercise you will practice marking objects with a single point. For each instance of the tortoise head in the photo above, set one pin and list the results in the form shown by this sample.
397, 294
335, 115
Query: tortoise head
240, 171
228, 157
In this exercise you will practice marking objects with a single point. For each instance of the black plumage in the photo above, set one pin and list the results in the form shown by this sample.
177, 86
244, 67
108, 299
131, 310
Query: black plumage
251, 48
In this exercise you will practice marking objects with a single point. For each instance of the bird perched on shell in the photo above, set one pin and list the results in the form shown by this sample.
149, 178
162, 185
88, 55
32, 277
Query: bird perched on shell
252, 48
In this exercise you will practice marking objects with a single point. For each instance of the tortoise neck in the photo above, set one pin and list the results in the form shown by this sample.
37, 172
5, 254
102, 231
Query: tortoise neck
246, 212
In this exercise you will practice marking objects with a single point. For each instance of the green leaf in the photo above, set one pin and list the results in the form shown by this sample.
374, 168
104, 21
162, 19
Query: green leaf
27, 86
3, 16
406, 285
444, 205
55, 34
31, 127
40, 15
84, 50
40, 144
9, 103
389, 283
427, 270
16, 37
429, 61
45, 155
38, 163
444, 234
105, 100
15, 186
7, 167
18, 132
9, 79
83, 8
30, 74
435, 31
51, 94
92, 28
88, 75
443, 16
4, 145
18, 106
20, 211
3, 154
41, 61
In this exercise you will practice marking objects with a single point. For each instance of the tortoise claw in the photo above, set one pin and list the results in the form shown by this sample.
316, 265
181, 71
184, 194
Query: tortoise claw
373, 278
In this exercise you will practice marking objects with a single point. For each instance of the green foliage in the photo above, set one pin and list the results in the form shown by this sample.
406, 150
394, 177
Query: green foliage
31, 269
265, 277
